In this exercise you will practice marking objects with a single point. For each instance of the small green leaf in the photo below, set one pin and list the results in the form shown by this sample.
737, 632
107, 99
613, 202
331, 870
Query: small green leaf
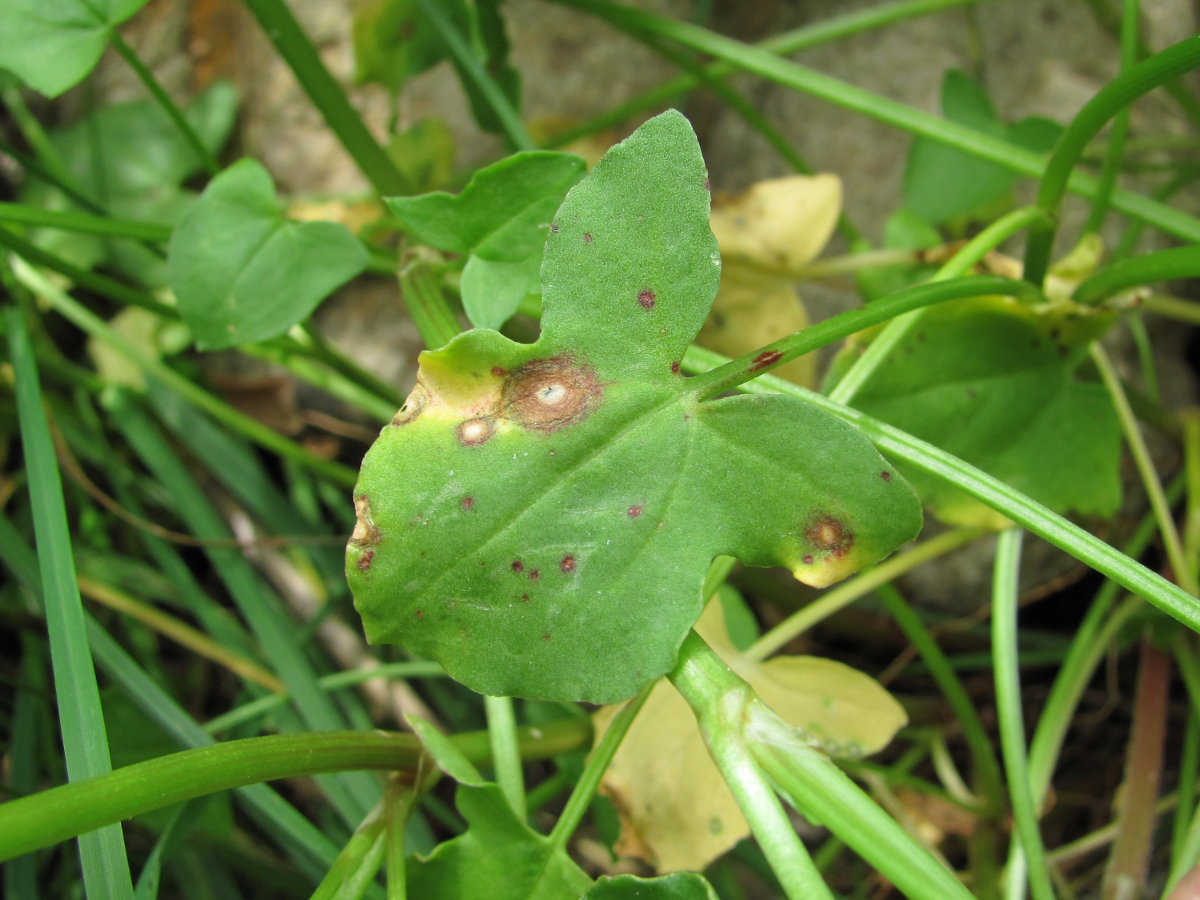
493, 51
393, 43
676, 886
52, 44
497, 858
500, 222
996, 383
539, 517
242, 272
942, 183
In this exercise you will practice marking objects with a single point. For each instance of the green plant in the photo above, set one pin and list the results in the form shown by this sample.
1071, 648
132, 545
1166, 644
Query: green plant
545, 518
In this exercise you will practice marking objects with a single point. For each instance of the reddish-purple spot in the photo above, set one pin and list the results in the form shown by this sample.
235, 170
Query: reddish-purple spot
567, 565
633, 512
467, 502
808, 560
499, 372
646, 298
534, 574
554, 228
545, 637
764, 359
518, 567
587, 237
364, 561
524, 598
420, 614
830, 534
885, 475
675, 367
707, 184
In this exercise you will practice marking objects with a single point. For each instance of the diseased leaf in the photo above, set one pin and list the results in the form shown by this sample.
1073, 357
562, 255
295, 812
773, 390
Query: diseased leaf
242, 272
997, 384
52, 44
500, 222
676, 810
539, 517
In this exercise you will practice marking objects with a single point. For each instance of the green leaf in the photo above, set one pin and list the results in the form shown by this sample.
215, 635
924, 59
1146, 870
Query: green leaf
493, 51
52, 44
996, 383
500, 222
131, 156
676, 886
539, 517
243, 272
941, 183
497, 858
393, 43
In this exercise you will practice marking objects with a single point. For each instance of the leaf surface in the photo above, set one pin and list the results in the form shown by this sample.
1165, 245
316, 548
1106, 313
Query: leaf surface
676, 886
499, 222
539, 517
243, 272
52, 44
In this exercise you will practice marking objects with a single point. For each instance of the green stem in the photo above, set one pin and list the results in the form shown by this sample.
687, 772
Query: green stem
1145, 467
843, 325
422, 293
1164, 265
83, 223
359, 861
1010, 712
1115, 153
906, 118
598, 762
506, 755
844, 594
989, 490
164, 101
1114, 96
789, 42
978, 742
726, 707
958, 265
62, 812
289, 39
251, 428
509, 118
1173, 308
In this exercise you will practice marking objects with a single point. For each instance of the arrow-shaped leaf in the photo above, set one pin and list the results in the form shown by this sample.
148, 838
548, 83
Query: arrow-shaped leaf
539, 517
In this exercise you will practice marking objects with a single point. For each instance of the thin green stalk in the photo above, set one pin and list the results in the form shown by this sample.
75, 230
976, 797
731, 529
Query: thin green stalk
81, 716
1114, 96
227, 415
506, 756
1115, 153
1173, 308
778, 352
1189, 769
1133, 231
725, 707
23, 753
1163, 265
881, 109
859, 586
359, 862
598, 761
164, 101
979, 743
316, 344
289, 39
951, 272
1010, 715
83, 223
1145, 467
992, 492
39, 821
426, 302
509, 118
823, 32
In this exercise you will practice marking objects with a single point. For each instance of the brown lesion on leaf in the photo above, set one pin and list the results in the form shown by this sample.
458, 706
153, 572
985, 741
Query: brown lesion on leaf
829, 535
765, 359
549, 394
417, 400
366, 532
475, 431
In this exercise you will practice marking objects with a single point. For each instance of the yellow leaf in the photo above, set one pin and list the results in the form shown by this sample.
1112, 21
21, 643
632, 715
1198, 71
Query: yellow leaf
781, 223
676, 811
